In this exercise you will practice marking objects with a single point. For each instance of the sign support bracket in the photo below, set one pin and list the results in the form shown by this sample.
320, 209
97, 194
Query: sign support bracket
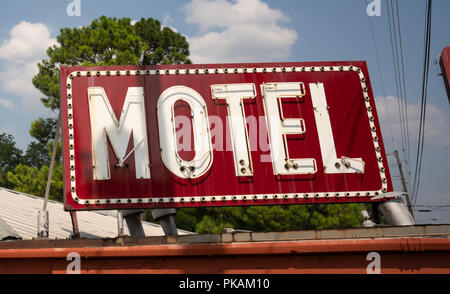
134, 224
165, 216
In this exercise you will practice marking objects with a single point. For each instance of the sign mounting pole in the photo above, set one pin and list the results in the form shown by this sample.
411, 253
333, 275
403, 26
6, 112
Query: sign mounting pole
405, 188
43, 217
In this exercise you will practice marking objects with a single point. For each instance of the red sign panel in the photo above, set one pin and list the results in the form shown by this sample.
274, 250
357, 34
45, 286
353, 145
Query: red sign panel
220, 135
445, 69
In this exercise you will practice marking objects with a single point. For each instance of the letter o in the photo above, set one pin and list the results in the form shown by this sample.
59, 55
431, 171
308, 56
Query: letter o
203, 158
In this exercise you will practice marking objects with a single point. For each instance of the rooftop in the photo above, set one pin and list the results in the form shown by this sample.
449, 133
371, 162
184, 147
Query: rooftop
19, 211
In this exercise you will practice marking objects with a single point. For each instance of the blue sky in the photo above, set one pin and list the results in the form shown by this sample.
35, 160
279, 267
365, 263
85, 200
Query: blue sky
258, 31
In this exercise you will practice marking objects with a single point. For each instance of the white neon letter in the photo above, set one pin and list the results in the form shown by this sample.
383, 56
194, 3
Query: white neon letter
200, 128
234, 94
332, 165
278, 127
104, 123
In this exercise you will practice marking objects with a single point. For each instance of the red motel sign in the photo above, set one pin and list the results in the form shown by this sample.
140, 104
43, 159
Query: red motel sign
445, 69
220, 135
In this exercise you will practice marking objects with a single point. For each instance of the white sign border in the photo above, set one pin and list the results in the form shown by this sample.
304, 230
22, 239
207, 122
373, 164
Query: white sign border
221, 198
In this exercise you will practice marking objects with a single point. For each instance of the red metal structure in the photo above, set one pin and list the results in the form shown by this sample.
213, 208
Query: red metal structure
445, 68
103, 107
318, 122
415, 249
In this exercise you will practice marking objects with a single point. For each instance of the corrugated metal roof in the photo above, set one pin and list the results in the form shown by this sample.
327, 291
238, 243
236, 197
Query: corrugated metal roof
20, 211
6, 232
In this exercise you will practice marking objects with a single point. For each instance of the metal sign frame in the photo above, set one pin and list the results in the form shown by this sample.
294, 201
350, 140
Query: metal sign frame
263, 76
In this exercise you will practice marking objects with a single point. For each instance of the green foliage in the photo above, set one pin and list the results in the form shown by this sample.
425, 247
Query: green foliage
33, 181
10, 156
163, 46
43, 129
186, 219
29, 174
270, 218
338, 216
38, 153
109, 41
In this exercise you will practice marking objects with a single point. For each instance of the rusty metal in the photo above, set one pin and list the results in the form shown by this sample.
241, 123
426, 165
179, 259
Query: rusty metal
399, 245
415, 249
415, 255
76, 230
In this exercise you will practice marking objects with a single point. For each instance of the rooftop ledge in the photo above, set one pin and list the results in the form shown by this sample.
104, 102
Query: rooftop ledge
360, 237
411, 249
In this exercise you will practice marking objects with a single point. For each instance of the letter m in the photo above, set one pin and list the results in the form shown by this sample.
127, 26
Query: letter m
104, 124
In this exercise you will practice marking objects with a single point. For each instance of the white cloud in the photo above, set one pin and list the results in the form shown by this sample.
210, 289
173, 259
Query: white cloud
222, 13
437, 127
28, 41
26, 46
238, 31
17, 78
6, 104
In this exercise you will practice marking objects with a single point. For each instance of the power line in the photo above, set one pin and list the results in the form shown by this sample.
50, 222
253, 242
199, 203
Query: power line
381, 80
404, 87
396, 77
401, 106
423, 107
397, 58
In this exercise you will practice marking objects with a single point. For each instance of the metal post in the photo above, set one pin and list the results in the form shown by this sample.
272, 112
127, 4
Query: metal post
405, 188
76, 230
42, 224
43, 217
396, 213
133, 220
165, 216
